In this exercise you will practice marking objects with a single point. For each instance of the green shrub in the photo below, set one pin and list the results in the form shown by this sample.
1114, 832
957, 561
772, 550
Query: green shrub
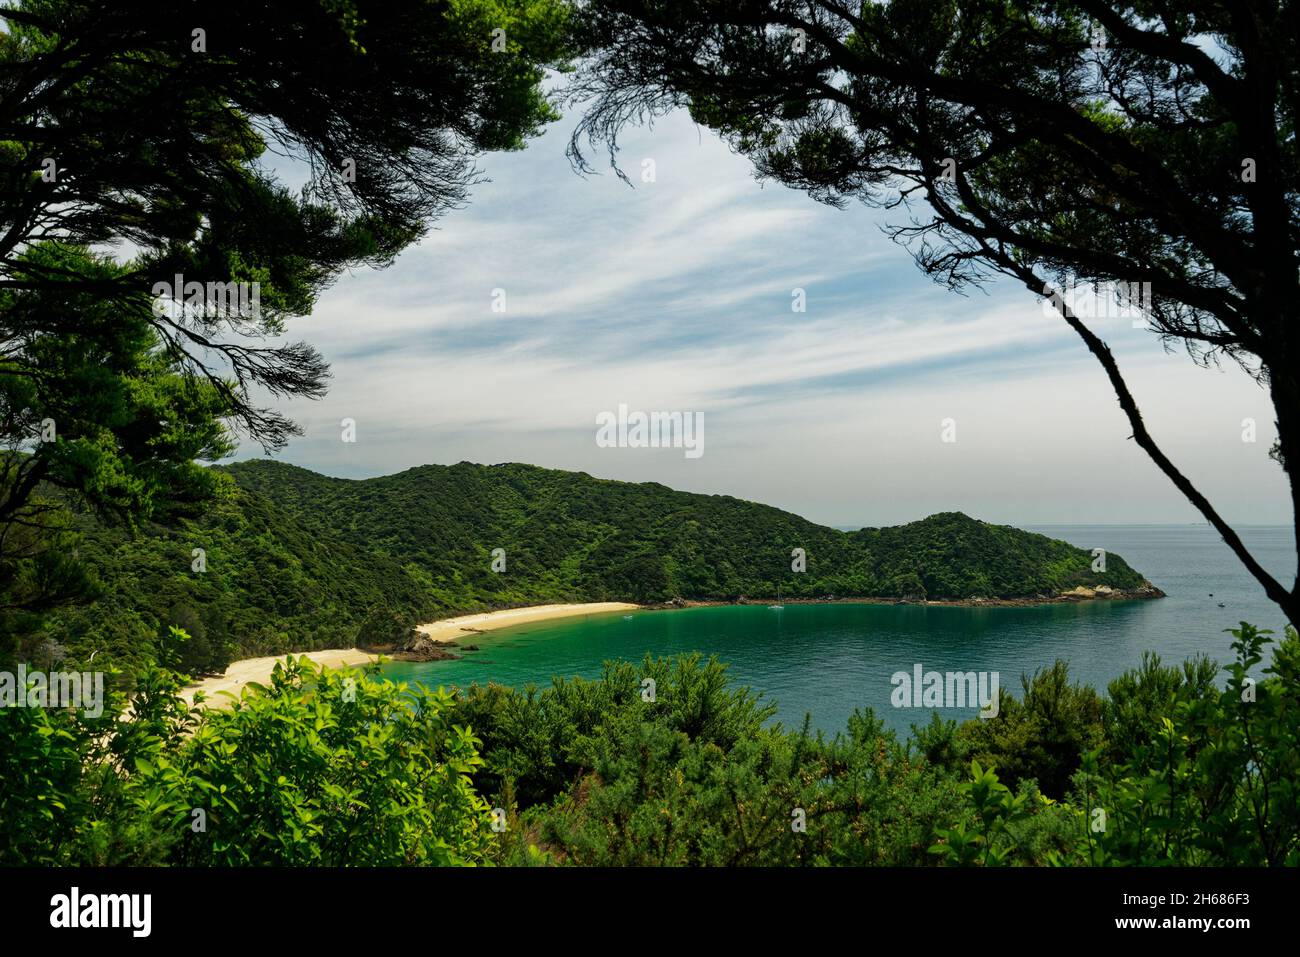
319, 767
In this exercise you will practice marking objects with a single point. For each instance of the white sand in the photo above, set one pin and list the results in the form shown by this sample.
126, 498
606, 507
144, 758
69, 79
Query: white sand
449, 629
259, 670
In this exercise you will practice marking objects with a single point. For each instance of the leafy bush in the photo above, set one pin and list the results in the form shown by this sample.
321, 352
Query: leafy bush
320, 767
1186, 774
1040, 736
596, 774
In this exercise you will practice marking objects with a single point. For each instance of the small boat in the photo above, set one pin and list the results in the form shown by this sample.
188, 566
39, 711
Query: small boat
778, 606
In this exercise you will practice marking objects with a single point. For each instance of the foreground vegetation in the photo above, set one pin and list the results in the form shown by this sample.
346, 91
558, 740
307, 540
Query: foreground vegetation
339, 768
293, 560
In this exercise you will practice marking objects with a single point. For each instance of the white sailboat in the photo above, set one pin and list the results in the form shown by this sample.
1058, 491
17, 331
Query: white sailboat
778, 606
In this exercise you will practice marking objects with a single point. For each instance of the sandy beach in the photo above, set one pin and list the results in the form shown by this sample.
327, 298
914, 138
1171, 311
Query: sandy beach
259, 670
242, 672
449, 629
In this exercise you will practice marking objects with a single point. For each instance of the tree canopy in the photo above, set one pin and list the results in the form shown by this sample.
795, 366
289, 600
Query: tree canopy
151, 255
1145, 145
154, 132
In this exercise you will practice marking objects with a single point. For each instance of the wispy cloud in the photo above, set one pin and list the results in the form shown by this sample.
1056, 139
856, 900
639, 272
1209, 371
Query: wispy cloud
677, 295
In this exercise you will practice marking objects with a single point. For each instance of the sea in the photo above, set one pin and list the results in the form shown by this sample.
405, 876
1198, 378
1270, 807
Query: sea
821, 662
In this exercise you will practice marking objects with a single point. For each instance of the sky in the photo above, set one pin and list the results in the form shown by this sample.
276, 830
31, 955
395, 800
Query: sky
677, 295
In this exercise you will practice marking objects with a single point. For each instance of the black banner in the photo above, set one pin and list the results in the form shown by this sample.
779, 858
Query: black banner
946, 907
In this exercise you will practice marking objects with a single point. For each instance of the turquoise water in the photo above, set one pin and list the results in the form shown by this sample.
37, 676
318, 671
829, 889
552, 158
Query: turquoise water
827, 660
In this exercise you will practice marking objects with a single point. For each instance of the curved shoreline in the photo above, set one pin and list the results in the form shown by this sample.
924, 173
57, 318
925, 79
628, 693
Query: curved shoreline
1072, 597
239, 673
447, 630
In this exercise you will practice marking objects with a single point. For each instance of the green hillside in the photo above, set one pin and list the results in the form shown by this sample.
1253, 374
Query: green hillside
297, 560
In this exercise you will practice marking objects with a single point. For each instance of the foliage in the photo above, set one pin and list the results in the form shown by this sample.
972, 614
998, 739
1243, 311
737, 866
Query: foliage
319, 767
1215, 781
1206, 776
147, 127
384, 628
1040, 735
995, 807
121, 428
595, 775
294, 553
135, 199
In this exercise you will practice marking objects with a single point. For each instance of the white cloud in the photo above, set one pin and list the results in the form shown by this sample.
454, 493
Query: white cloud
676, 295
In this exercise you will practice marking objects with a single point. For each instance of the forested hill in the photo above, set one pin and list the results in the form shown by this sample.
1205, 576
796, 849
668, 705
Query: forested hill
298, 560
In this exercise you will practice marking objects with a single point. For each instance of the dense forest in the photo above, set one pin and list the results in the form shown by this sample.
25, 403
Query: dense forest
294, 560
